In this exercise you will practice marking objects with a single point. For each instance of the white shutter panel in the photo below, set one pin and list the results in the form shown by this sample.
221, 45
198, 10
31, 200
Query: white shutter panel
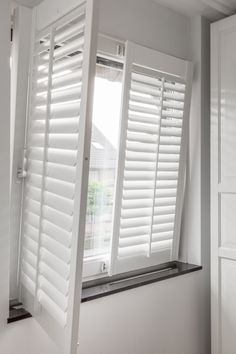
63, 68
150, 181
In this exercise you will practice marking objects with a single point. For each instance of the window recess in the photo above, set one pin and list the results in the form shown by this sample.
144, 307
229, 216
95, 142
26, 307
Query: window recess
142, 229
143, 202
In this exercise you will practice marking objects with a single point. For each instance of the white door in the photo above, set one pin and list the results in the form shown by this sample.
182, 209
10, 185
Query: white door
223, 185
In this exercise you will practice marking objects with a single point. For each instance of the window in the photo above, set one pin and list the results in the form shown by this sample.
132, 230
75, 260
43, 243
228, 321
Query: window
141, 215
103, 164
99, 183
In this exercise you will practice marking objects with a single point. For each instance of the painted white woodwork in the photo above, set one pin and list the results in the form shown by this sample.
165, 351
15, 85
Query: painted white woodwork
4, 158
55, 190
223, 185
152, 159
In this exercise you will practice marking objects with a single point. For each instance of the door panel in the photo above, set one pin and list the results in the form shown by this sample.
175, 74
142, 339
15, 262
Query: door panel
228, 220
223, 186
228, 305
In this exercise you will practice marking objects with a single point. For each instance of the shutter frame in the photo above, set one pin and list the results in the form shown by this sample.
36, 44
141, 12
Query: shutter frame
183, 161
177, 76
43, 301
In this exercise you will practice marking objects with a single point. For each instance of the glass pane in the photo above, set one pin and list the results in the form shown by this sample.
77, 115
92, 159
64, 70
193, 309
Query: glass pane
103, 158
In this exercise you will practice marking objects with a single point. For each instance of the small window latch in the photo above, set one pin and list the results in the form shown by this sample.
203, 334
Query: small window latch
21, 174
104, 267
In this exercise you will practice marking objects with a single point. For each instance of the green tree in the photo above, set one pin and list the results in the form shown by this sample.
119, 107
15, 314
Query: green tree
99, 197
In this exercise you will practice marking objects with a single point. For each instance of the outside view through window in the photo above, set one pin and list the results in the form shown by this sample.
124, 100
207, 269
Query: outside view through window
103, 158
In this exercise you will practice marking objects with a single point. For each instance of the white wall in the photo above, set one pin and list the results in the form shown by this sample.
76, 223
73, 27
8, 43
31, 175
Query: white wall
25, 337
171, 316
4, 155
148, 24
196, 223
154, 319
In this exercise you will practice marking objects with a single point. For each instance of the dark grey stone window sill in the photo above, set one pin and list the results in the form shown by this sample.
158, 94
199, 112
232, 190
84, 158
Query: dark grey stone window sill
111, 285
17, 312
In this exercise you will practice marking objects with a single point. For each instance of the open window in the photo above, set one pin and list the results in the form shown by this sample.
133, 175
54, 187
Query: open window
103, 179
136, 186
103, 162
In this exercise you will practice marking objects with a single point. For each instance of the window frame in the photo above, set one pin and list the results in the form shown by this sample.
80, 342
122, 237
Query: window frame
109, 268
96, 267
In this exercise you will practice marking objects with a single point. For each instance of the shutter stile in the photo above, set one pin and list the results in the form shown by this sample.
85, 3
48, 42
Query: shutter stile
149, 163
32, 190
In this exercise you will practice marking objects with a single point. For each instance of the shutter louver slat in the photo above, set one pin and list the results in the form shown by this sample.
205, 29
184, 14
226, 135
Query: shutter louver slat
60, 188
59, 156
55, 263
32, 219
31, 232
30, 245
28, 283
68, 64
29, 258
57, 233
65, 80
61, 172
54, 278
53, 293
52, 308
73, 30
60, 251
58, 218
29, 270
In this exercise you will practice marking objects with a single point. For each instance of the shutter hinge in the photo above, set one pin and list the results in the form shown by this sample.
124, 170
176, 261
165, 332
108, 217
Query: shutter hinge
120, 50
22, 171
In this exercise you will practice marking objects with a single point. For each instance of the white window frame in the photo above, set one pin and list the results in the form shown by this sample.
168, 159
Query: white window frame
98, 266
180, 70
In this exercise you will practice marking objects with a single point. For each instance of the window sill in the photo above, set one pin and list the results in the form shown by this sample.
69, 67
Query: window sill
111, 285
17, 312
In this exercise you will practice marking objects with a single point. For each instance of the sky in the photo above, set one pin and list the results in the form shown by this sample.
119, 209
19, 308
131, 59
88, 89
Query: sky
106, 108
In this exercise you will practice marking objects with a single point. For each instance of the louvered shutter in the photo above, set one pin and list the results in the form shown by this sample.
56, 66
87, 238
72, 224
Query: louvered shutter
150, 181
63, 67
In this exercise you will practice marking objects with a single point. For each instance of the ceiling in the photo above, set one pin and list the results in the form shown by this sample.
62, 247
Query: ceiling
28, 3
212, 9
